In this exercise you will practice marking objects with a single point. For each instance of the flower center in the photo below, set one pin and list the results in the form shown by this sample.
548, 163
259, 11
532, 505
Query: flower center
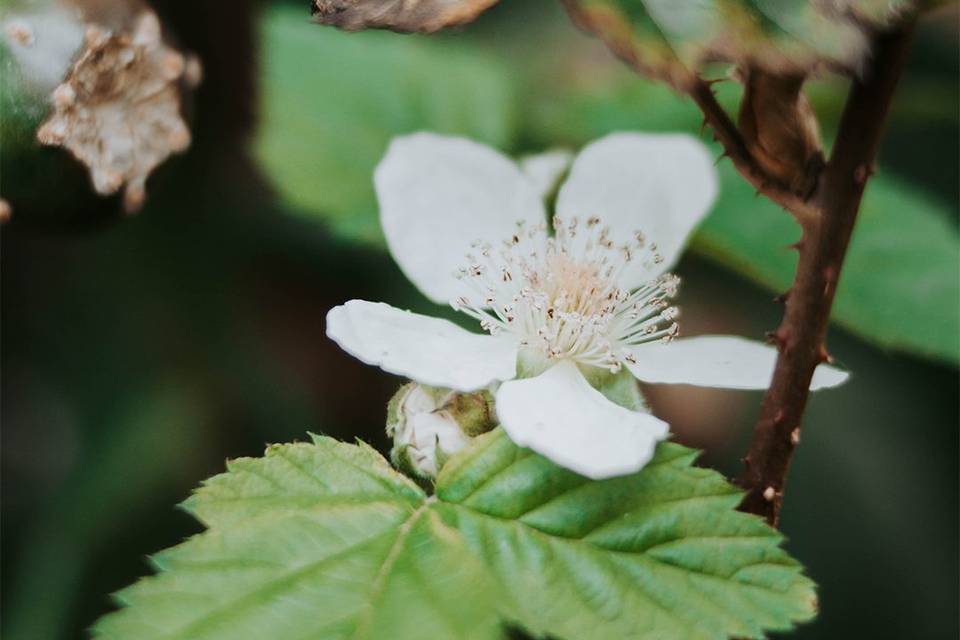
559, 294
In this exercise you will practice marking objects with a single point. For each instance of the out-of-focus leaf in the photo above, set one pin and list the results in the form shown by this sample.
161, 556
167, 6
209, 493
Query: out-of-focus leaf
398, 15
325, 121
325, 540
670, 41
899, 286
164, 421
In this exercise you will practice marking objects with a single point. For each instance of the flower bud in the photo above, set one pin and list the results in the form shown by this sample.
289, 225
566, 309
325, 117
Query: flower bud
429, 424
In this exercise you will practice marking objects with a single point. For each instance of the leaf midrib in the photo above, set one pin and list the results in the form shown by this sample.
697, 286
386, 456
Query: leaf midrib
190, 631
376, 590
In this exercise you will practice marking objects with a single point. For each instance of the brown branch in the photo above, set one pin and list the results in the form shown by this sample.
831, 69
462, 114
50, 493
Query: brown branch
735, 147
405, 16
801, 336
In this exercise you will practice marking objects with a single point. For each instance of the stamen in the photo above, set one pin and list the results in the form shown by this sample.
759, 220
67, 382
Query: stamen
559, 294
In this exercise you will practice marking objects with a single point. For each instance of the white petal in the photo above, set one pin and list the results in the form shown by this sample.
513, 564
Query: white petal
659, 184
438, 194
560, 416
545, 169
718, 361
429, 350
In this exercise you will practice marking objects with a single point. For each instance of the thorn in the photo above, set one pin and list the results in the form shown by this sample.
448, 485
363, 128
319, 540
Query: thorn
703, 126
796, 246
721, 157
778, 338
745, 460
709, 83
830, 278
769, 494
824, 355
795, 436
783, 297
778, 419
862, 172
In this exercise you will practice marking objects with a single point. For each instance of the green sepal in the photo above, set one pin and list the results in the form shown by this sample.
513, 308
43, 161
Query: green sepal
473, 412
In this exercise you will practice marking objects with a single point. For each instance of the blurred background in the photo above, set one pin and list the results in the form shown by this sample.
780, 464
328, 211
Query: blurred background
141, 352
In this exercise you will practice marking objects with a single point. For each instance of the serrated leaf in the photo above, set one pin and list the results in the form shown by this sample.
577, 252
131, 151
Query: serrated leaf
671, 41
659, 554
324, 540
332, 101
319, 540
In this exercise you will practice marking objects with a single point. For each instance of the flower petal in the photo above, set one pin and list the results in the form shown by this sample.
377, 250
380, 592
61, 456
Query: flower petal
659, 184
439, 194
560, 416
545, 169
718, 361
429, 350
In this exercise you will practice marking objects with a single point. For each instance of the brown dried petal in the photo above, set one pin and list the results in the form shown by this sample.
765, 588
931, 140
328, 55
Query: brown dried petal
780, 129
118, 111
397, 15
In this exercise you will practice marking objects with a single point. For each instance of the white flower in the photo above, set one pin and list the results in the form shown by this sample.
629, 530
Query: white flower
467, 226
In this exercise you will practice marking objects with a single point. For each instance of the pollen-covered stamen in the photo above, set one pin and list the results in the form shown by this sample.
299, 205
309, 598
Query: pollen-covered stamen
559, 294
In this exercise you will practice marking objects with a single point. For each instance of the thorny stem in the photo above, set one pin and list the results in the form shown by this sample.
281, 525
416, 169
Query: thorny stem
800, 338
734, 147
827, 219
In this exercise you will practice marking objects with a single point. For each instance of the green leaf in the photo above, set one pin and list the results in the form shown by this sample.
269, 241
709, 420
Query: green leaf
319, 540
899, 285
332, 101
670, 41
325, 540
658, 554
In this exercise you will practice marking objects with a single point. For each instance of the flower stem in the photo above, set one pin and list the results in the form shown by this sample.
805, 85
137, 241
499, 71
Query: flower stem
800, 338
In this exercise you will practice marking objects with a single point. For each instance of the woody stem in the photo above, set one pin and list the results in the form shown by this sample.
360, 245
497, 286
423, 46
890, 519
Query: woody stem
800, 338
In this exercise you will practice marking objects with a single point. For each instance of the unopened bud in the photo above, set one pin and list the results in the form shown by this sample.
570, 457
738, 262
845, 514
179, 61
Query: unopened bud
428, 425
